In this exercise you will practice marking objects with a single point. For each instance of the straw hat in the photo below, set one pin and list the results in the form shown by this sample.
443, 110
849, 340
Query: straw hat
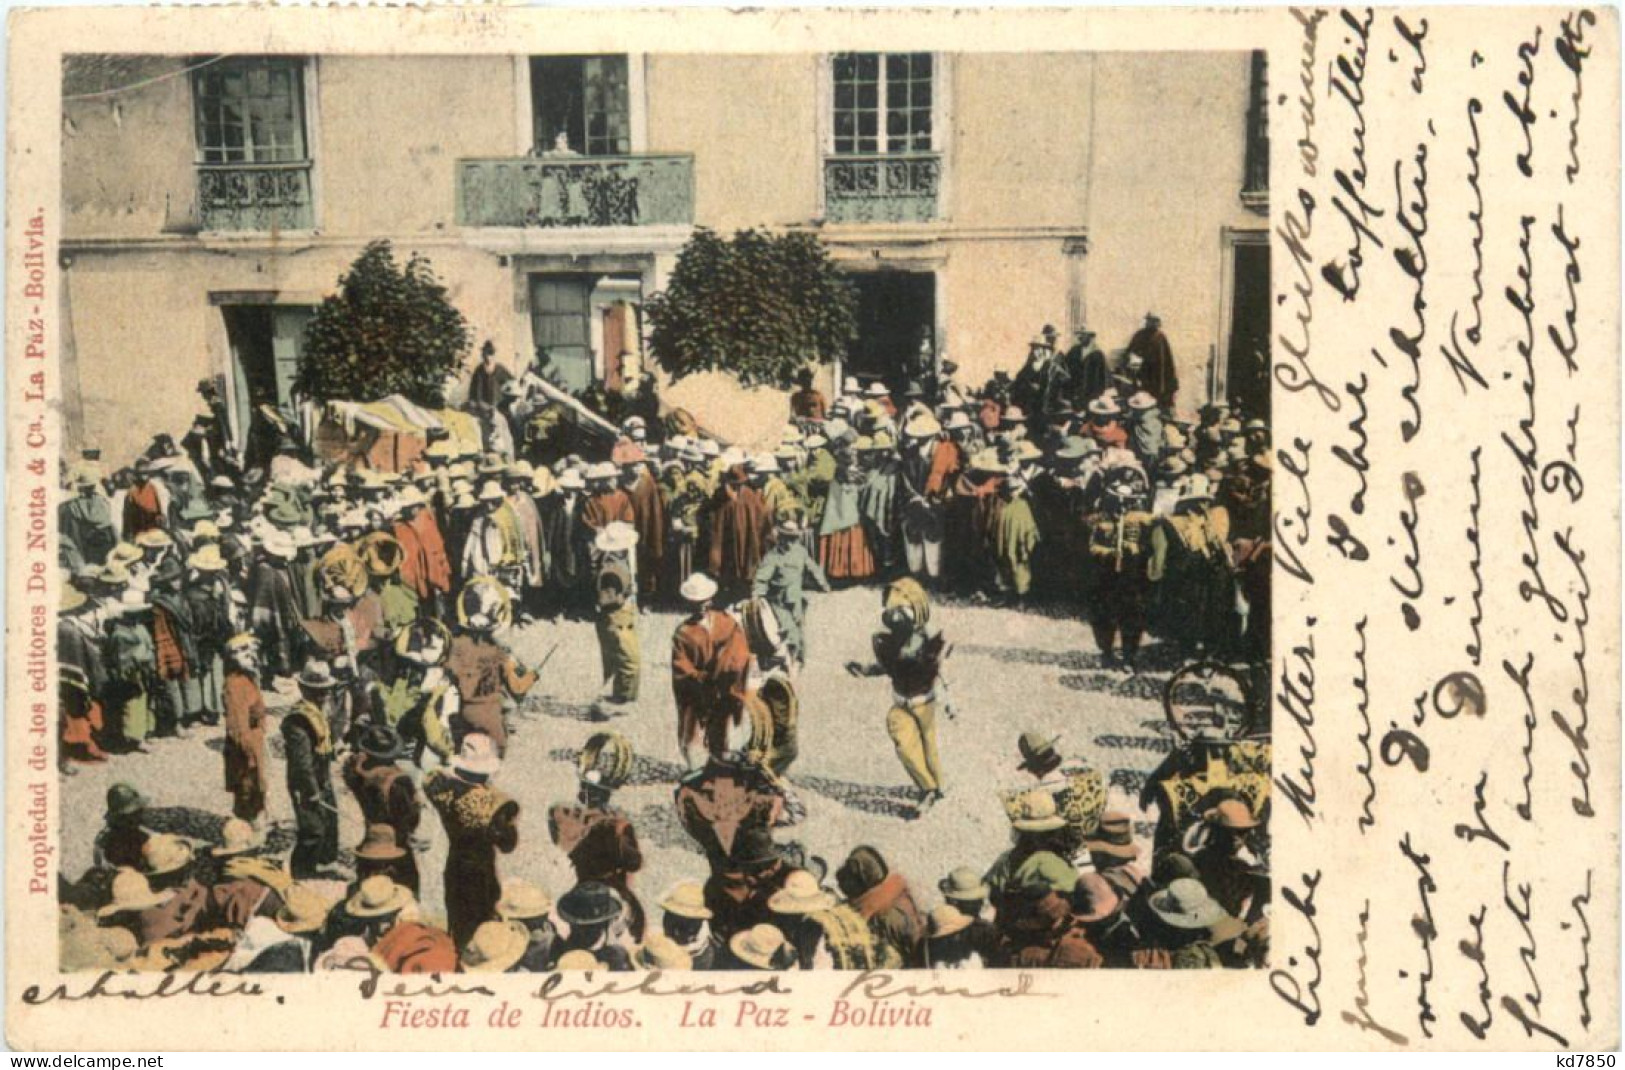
236, 837
1034, 811
922, 425
302, 911
1104, 406
316, 676
600, 471
125, 553
378, 895
491, 491
762, 947
379, 845
963, 885
577, 960
164, 853
207, 559
615, 538
661, 952
570, 479
945, 921
686, 899
132, 892
153, 539
801, 894
71, 600
1114, 838
478, 755
495, 947
698, 588
1186, 904
206, 529
522, 901
1140, 401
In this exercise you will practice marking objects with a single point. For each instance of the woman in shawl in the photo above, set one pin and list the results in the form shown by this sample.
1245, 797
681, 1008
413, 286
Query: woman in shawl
883, 899
843, 544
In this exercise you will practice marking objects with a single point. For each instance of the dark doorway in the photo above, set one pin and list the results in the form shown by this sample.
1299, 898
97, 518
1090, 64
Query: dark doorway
561, 326
267, 342
1248, 364
897, 311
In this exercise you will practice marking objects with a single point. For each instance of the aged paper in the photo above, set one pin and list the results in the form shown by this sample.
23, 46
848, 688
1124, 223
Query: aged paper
1220, 411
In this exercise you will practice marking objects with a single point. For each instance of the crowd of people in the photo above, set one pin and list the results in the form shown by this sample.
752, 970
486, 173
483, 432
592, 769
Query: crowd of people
197, 596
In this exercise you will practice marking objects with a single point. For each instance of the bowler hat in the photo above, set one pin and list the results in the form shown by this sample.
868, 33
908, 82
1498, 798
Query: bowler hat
963, 885
122, 800
1036, 748
589, 903
380, 845
380, 741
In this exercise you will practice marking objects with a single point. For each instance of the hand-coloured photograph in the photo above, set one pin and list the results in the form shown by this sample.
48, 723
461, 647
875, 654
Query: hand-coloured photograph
681, 512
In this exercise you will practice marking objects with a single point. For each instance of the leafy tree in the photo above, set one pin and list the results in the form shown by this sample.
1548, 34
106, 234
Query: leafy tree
387, 330
759, 307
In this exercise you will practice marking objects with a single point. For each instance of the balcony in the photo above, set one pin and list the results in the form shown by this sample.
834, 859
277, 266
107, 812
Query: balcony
576, 191
254, 197
895, 188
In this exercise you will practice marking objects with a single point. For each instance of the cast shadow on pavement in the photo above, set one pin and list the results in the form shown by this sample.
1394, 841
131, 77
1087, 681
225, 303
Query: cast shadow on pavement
868, 798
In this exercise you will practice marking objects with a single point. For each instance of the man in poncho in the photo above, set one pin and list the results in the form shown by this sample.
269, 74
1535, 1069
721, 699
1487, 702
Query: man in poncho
710, 662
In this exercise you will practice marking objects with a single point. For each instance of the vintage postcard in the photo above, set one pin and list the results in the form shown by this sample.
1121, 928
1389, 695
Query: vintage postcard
837, 529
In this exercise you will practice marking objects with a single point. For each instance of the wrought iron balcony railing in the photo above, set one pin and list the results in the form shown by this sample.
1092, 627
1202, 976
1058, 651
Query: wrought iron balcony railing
872, 188
576, 191
256, 197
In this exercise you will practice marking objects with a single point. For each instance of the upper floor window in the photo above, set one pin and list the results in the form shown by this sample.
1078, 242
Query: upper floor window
253, 151
1256, 182
883, 102
251, 111
581, 105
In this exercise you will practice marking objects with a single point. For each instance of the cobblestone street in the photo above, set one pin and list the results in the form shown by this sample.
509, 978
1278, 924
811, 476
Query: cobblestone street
1008, 671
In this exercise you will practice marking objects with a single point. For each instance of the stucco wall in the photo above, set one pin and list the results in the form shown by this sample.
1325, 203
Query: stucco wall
1164, 133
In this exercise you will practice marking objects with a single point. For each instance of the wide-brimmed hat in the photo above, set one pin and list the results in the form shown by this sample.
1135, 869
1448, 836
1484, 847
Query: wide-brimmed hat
1114, 838
124, 553
589, 903
495, 947
876, 389
164, 853
153, 539
922, 425
1073, 448
615, 538
763, 947
959, 420
946, 920
661, 952
379, 740
1186, 904
578, 960
303, 910
123, 799
1104, 406
963, 885
698, 588
378, 895
132, 892
279, 543
987, 462
521, 901
237, 837
379, 844
1037, 748
686, 899
1141, 400
801, 894
71, 599
478, 755
1231, 814
1034, 811
491, 491
207, 559
601, 470
206, 528
317, 676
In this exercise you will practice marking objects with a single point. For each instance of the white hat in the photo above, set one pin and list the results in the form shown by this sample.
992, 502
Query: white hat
491, 491
958, 420
850, 385
1141, 400
698, 588
570, 479
478, 755
876, 389
615, 538
709, 447
764, 462
601, 470
279, 543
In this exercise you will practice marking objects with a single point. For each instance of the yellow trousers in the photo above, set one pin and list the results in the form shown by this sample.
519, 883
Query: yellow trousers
619, 652
913, 730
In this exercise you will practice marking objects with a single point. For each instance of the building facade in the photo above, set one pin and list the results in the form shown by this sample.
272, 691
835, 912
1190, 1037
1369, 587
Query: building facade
211, 202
